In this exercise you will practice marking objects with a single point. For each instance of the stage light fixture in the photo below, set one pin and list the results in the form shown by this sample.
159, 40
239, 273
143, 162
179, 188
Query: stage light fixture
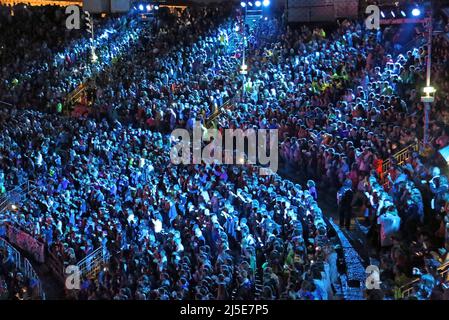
141, 7
148, 7
403, 13
243, 4
250, 4
393, 14
266, 3
258, 3
382, 14
156, 7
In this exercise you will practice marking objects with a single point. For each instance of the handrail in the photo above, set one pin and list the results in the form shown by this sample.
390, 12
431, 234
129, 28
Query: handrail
407, 289
6, 103
23, 265
401, 157
217, 112
90, 265
75, 94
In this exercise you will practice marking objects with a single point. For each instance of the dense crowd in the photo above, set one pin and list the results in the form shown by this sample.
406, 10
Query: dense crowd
184, 231
342, 102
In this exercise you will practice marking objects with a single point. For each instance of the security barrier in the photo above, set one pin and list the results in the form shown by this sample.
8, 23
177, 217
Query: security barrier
23, 265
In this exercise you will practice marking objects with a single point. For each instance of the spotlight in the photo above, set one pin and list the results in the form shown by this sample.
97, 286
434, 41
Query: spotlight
141, 7
250, 4
416, 12
258, 3
382, 14
148, 7
392, 13
243, 4
156, 7
403, 13
266, 3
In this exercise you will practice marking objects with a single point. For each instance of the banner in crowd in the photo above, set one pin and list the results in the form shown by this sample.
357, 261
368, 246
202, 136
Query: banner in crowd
27, 243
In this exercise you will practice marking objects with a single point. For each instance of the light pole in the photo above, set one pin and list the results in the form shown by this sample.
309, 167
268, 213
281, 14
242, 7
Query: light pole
244, 67
429, 91
90, 27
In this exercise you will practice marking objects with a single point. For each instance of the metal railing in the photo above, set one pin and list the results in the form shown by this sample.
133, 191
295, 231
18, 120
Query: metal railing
217, 113
401, 158
23, 265
408, 289
91, 265
227, 105
75, 95
16, 194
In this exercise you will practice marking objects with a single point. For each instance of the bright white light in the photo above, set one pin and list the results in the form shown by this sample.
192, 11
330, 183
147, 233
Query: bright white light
403, 13
148, 7
250, 4
157, 225
14, 207
383, 14
156, 7
266, 3
93, 57
392, 13
258, 3
429, 90
416, 12
141, 7
243, 4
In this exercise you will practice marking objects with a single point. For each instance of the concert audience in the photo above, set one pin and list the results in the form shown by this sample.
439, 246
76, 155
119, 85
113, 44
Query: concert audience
343, 102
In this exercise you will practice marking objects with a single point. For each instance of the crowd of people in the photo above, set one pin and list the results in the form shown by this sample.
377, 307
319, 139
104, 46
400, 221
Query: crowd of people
174, 232
342, 102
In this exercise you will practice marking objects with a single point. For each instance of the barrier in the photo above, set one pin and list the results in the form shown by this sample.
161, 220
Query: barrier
217, 113
408, 289
401, 158
23, 265
26, 242
16, 194
76, 95
91, 265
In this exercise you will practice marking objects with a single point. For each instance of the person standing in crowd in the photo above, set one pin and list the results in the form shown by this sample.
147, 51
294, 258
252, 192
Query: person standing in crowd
344, 199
